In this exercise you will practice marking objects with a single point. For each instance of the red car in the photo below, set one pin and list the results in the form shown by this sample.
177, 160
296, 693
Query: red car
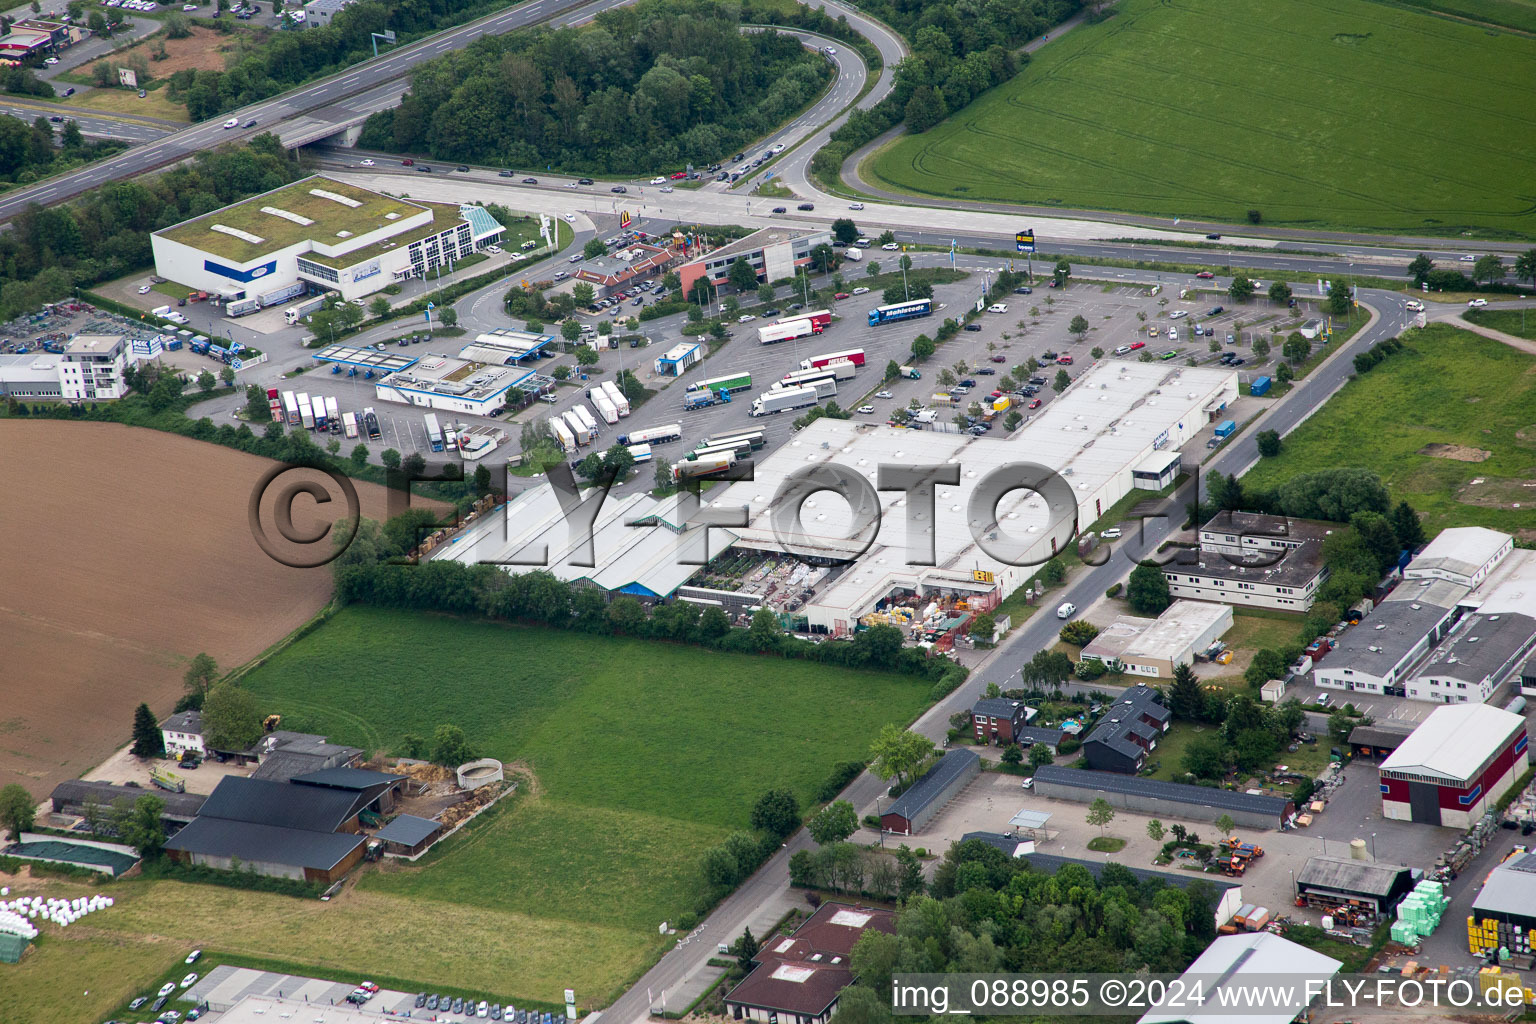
997, 394
680, 175
407, 162
1035, 404
1064, 360
841, 295
1138, 344
999, 359
1205, 275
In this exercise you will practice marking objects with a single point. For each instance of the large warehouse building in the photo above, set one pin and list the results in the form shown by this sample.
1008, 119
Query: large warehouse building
1454, 766
1094, 436
324, 233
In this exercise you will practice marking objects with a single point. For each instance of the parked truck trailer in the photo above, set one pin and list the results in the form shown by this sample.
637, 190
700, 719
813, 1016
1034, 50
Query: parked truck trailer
770, 402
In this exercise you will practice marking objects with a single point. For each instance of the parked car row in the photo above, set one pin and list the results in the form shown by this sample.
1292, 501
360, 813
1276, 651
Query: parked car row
484, 1010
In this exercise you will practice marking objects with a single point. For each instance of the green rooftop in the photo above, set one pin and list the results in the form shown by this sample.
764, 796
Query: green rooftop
444, 216
328, 218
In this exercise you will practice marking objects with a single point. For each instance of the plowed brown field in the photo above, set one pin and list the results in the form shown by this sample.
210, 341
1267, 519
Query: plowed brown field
127, 551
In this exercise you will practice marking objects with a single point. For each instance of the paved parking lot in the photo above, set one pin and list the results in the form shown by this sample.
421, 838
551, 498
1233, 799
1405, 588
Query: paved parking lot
224, 986
1353, 812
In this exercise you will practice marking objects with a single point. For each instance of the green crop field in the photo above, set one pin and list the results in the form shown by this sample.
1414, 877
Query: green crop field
1473, 397
644, 755
1317, 113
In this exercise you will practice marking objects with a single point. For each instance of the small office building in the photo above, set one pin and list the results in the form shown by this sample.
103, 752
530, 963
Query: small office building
1252, 560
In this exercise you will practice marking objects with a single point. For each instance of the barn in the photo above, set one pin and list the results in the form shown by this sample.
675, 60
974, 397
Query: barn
927, 796
1454, 766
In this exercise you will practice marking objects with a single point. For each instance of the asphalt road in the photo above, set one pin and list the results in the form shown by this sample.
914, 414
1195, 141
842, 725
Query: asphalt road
269, 114
103, 127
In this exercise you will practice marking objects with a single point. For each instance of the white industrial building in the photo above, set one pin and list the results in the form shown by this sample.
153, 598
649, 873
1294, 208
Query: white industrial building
1155, 647
452, 384
1099, 430
1454, 631
323, 233
89, 369
1233, 967
1377, 655
1464, 555
638, 542
1093, 436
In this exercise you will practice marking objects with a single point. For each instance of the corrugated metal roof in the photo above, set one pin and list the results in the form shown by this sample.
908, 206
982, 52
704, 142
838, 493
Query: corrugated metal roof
1359, 876
1131, 785
348, 778
270, 844
1454, 742
279, 804
933, 783
407, 830
1253, 955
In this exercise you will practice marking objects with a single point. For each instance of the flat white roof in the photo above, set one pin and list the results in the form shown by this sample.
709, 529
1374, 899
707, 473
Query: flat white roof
629, 558
1454, 742
1460, 549
1255, 954
1096, 431
1511, 587
1158, 462
1176, 629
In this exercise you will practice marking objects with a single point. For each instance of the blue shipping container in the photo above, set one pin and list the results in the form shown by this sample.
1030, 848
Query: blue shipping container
1225, 428
1259, 386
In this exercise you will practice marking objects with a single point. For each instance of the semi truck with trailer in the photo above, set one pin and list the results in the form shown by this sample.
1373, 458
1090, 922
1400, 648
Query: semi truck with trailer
293, 314
283, 294
852, 355
770, 402
371, 423
349, 424
653, 435
564, 436
306, 412
840, 370
804, 327
332, 415
434, 432
240, 307
291, 408
686, 470
587, 419
730, 384
703, 399
820, 319
578, 428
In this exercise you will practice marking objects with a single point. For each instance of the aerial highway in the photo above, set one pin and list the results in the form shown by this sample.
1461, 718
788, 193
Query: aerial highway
269, 115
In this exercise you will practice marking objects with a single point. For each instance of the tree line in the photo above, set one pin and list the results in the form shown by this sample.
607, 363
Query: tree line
28, 153
368, 572
104, 234
985, 911
285, 59
647, 88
